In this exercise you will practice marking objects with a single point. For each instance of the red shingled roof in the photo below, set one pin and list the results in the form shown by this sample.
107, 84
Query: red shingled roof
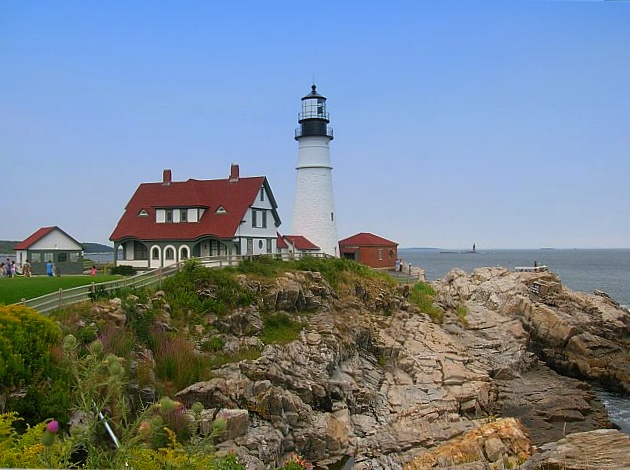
366, 238
300, 242
38, 235
234, 197
280, 243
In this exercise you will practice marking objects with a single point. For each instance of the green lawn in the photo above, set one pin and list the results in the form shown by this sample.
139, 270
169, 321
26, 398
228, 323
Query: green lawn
13, 290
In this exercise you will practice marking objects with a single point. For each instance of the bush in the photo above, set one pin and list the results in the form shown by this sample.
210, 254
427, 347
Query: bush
26, 339
201, 290
123, 270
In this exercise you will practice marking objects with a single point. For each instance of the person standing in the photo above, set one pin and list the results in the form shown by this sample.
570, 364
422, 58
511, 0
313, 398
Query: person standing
26, 269
93, 270
13, 268
49, 268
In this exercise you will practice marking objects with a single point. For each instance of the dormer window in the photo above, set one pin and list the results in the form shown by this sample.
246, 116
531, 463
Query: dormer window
183, 215
143, 213
169, 216
220, 210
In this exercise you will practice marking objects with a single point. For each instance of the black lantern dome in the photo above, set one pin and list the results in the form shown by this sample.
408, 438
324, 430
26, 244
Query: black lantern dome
313, 118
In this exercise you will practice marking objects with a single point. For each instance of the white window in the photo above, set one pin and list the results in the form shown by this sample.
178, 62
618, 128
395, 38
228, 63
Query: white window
169, 216
262, 193
183, 215
259, 218
380, 254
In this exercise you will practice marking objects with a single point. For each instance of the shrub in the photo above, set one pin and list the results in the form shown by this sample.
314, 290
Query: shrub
422, 296
123, 270
177, 364
201, 290
26, 360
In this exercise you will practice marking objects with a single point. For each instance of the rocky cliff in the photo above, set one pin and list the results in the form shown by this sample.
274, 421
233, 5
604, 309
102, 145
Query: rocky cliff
373, 382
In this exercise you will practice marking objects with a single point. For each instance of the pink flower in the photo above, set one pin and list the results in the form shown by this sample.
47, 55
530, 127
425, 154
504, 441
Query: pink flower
52, 427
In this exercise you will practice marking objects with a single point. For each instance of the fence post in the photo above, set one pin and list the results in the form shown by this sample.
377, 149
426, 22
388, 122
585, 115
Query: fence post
60, 297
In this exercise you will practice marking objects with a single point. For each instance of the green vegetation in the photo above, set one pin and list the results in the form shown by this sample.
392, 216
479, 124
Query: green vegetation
123, 270
336, 271
462, 311
159, 437
7, 247
196, 291
13, 290
161, 342
280, 328
422, 296
28, 362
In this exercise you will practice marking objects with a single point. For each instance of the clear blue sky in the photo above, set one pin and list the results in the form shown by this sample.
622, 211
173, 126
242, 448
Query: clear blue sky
504, 123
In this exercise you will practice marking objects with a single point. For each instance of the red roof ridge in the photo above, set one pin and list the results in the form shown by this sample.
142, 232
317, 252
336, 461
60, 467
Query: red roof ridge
366, 238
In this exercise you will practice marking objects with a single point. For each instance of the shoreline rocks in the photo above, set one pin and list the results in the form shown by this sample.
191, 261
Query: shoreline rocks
374, 378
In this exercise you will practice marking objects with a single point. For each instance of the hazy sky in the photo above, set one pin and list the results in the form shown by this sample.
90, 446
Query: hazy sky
503, 123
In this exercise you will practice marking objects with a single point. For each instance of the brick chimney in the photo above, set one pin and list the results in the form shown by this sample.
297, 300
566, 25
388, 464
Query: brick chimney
234, 173
167, 177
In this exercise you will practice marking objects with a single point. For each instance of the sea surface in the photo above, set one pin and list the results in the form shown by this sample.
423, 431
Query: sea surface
580, 270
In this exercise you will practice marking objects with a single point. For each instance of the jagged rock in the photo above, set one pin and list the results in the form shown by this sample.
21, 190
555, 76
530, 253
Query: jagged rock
504, 440
234, 423
373, 378
243, 322
600, 449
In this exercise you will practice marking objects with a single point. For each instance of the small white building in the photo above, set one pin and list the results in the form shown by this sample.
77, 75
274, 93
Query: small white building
296, 246
50, 244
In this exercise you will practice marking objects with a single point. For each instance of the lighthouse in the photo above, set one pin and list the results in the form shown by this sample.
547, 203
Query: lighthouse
314, 208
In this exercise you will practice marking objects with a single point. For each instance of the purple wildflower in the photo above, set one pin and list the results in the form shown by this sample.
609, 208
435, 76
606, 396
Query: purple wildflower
52, 427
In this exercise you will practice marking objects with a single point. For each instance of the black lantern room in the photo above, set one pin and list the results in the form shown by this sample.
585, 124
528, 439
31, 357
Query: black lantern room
313, 119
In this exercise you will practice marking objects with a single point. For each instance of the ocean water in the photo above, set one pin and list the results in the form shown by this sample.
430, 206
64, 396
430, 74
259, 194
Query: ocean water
580, 270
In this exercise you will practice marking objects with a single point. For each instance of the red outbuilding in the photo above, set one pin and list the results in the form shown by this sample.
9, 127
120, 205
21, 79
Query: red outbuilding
369, 249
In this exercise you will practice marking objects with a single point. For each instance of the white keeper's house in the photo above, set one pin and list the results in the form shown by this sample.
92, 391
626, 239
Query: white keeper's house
171, 221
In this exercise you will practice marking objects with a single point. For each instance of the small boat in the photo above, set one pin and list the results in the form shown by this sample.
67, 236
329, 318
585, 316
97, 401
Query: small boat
532, 269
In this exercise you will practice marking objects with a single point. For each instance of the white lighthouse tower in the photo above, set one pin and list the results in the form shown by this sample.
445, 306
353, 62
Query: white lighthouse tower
314, 209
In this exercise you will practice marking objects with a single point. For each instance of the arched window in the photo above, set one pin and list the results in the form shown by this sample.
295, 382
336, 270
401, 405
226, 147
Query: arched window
183, 254
169, 253
155, 253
